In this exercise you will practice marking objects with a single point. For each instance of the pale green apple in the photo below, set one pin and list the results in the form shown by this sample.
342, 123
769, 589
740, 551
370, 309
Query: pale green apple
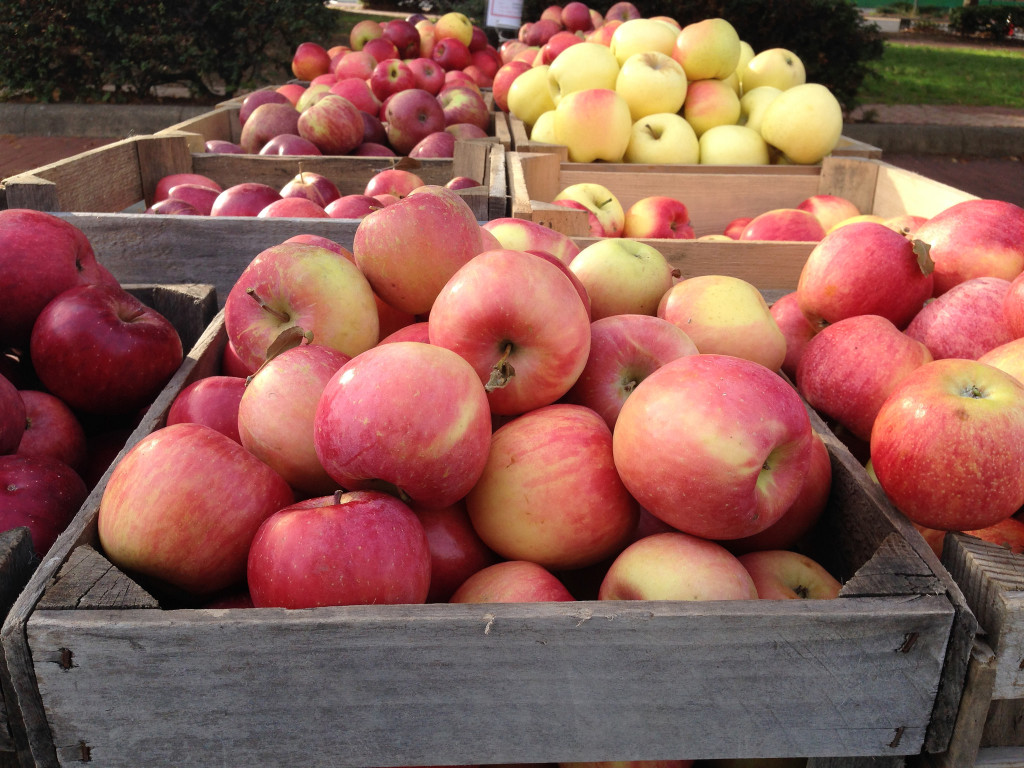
733, 145
622, 276
594, 124
804, 123
779, 67
664, 138
529, 95
544, 128
582, 67
651, 82
640, 36
754, 102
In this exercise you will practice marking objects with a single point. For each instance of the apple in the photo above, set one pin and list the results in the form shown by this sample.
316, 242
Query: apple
277, 410
640, 35
733, 145
102, 351
709, 103
451, 54
966, 321
804, 123
796, 329
536, 34
199, 196
359, 548
371, 429
222, 147
182, 506
781, 574
427, 36
312, 186
576, 17
526, 235
399, 182
303, 287
246, 198
529, 346
558, 43
454, 24
390, 76
662, 138
409, 116
40, 493
429, 76
353, 206
784, 224
849, 368
355, 64
13, 417
456, 550
289, 144
381, 49
333, 124
313, 93
293, 208
50, 428
529, 95
362, 32
754, 102
582, 67
254, 99
676, 566
948, 443
865, 269
1013, 306
1007, 357
605, 213
231, 364
41, 256
726, 434
829, 209
624, 350
512, 581
622, 10
777, 67
503, 79
172, 207
212, 401
708, 49
651, 82
623, 276
547, 461
975, 238
462, 104
465, 132
404, 35
792, 529
359, 92
292, 91
164, 184
725, 315
604, 33
414, 331
268, 120
906, 224
410, 249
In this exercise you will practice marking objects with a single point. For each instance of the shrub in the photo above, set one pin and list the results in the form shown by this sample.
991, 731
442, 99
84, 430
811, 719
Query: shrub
77, 50
990, 20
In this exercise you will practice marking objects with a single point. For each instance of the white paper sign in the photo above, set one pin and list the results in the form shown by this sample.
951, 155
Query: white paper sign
504, 13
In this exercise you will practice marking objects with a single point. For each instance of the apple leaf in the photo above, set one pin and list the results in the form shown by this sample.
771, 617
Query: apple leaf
289, 338
924, 260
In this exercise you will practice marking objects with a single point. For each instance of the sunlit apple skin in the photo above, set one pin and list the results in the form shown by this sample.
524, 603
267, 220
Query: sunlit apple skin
360, 548
714, 445
623, 276
781, 574
850, 367
407, 416
966, 321
606, 215
676, 566
829, 209
658, 216
948, 444
784, 224
624, 350
212, 401
512, 581
199, 196
268, 120
506, 306
796, 329
550, 493
527, 235
864, 269
246, 198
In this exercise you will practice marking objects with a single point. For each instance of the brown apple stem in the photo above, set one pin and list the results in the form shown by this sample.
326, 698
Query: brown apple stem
266, 307
502, 372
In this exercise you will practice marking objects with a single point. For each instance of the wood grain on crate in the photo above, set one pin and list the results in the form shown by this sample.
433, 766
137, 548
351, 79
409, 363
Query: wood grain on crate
17, 560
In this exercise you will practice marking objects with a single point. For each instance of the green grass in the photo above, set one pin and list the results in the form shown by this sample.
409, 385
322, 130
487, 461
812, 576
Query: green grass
919, 74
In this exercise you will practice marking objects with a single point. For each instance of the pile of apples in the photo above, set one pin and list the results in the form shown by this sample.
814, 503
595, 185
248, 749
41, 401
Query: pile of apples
82, 359
461, 411
624, 88
912, 346
398, 88
307, 195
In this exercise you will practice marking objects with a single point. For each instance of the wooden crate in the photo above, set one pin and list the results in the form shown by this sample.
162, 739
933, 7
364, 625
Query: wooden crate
103, 674
190, 308
715, 195
122, 176
521, 142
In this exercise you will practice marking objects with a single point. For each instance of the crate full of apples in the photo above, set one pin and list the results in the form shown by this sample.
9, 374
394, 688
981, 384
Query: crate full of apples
538, 501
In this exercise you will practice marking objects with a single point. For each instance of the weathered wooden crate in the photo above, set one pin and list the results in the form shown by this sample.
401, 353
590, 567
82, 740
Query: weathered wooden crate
102, 673
521, 142
990, 729
122, 176
715, 195
190, 308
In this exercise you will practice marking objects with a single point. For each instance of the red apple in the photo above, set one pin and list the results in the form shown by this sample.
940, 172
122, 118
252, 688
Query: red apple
396, 181
246, 198
576, 17
404, 35
364, 31
512, 581
359, 92
466, 131
182, 507
352, 206
415, 331
462, 104
256, 98
381, 49
173, 207
223, 147
965, 321
373, 431
527, 235
13, 417
726, 434
199, 196
103, 351
437, 144
410, 115
314, 186
456, 550
333, 124
293, 208
267, 121
658, 216
784, 224
450, 53
461, 182
289, 144
374, 133
355, 64
735, 227
428, 73
391, 76
52, 430
309, 60
40, 493
503, 80
212, 401
781, 574
829, 209
557, 43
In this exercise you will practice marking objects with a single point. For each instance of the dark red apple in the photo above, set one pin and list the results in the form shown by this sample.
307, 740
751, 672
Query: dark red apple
212, 401
13, 416
40, 493
289, 144
456, 550
223, 147
247, 198
199, 196
404, 35
52, 430
313, 186
266, 122
256, 98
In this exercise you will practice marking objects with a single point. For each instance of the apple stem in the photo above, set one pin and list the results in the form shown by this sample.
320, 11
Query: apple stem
974, 391
502, 372
337, 496
283, 317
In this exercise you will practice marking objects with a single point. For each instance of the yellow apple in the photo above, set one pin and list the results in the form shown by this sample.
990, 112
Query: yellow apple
709, 103
651, 82
804, 123
773, 66
543, 129
725, 315
676, 26
746, 54
622, 276
582, 67
529, 95
707, 49
733, 145
662, 138
607, 216
454, 24
594, 124
753, 103
640, 36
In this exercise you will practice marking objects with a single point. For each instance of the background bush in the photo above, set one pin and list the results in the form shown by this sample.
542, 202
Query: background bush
991, 20
70, 50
